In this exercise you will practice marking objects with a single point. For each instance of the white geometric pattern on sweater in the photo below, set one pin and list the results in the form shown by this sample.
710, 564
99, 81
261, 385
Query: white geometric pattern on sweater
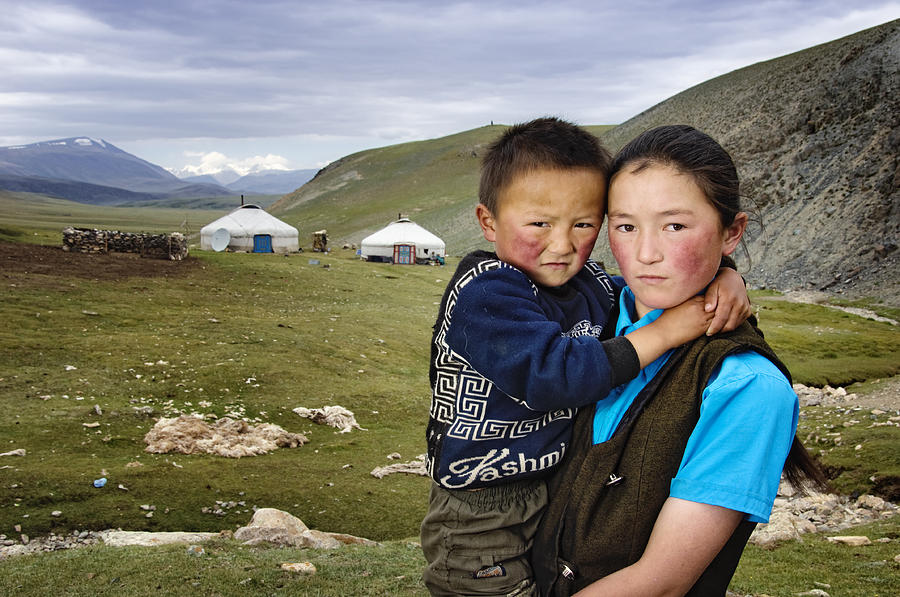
460, 393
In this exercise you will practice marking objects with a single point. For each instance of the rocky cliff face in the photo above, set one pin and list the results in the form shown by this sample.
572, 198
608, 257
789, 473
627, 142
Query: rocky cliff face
816, 137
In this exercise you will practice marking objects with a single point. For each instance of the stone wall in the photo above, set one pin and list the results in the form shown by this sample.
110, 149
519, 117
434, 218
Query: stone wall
156, 246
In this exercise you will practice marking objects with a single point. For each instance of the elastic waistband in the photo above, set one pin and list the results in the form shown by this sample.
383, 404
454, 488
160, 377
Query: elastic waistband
498, 495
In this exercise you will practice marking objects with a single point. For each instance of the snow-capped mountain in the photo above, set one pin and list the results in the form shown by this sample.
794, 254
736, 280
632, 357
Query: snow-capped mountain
48, 164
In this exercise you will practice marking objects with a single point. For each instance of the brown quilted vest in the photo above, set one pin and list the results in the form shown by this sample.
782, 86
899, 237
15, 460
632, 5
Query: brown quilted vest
605, 498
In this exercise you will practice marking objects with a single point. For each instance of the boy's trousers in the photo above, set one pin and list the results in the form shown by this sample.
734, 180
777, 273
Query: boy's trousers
478, 542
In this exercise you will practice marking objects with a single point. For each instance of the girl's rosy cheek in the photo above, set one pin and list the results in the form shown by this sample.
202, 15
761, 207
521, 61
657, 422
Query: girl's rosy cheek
693, 256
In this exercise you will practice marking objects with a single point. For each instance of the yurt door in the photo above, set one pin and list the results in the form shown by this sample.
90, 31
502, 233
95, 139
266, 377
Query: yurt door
405, 254
262, 243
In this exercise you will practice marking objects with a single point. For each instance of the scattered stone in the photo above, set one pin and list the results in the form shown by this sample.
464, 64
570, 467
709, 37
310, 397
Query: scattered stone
414, 467
852, 540
813, 593
16, 452
872, 502
56, 513
795, 514
299, 567
335, 416
158, 246
191, 434
52, 542
270, 525
394, 456
149, 539
825, 396
196, 550
91, 425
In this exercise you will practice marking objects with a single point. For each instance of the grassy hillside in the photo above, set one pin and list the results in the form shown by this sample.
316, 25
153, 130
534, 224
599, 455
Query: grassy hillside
434, 182
813, 134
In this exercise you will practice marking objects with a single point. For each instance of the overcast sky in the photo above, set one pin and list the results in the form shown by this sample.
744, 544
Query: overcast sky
297, 84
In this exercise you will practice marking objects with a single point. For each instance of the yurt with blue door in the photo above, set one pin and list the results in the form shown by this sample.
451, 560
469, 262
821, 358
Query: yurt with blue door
403, 242
251, 229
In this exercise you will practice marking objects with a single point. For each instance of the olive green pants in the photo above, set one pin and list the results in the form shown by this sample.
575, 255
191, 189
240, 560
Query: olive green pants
479, 542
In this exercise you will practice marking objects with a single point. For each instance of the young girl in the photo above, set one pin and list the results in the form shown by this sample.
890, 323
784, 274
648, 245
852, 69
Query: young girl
668, 476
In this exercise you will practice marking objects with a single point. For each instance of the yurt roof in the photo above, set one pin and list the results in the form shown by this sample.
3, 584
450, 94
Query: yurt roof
403, 231
251, 219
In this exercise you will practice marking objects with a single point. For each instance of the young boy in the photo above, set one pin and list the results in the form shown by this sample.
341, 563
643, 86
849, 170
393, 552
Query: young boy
516, 348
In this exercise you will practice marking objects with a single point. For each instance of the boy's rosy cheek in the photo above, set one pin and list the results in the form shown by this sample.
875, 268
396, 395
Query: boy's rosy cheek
584, 250
524, 245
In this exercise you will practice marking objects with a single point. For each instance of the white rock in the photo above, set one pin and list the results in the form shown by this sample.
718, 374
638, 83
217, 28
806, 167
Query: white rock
852, 540
299, 567
146, 538
270, 525
872, 502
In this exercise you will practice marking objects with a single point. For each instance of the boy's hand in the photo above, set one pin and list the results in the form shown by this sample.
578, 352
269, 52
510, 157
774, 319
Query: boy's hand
727, 297
674, 327
683, 323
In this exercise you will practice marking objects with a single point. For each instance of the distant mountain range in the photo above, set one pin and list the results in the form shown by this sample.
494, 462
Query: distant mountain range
265, 182
95, 171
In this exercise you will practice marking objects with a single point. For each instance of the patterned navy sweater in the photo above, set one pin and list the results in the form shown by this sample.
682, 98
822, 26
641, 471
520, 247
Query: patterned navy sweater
510, 362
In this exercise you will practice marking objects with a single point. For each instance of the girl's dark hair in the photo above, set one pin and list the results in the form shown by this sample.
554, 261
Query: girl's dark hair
690, 152
543, 143
696, 154
802, 471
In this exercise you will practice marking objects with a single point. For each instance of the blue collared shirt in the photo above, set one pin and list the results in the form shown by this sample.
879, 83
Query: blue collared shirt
748, 417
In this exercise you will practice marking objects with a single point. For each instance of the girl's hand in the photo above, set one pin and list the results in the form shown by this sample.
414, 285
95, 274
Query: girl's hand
727, 297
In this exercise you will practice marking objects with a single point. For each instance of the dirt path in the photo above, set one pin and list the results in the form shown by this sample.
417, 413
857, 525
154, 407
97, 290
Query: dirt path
814, 297
19, 259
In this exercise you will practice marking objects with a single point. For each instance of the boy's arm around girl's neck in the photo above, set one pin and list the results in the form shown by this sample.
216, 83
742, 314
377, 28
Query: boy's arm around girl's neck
672, 328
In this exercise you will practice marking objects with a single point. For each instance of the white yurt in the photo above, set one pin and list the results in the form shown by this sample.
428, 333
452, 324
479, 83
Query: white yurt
249, 228
402, 242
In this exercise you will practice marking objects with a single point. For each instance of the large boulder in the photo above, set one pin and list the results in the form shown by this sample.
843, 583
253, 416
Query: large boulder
270, 525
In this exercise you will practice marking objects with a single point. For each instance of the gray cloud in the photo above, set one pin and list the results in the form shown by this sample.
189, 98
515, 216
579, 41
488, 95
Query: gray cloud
372, 71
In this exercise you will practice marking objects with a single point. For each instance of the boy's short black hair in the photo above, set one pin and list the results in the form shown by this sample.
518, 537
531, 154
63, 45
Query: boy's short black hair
543, 143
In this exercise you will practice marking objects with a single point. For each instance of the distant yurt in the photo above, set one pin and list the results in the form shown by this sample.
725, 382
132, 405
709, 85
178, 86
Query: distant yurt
249, 228
403, 242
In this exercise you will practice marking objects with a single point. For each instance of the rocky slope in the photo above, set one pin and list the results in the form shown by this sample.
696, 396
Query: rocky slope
816, 136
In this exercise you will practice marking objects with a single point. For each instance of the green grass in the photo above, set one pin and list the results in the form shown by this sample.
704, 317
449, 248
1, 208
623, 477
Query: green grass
795, 567
286, 334
860, 453
225, 568
228, 568
826, 346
